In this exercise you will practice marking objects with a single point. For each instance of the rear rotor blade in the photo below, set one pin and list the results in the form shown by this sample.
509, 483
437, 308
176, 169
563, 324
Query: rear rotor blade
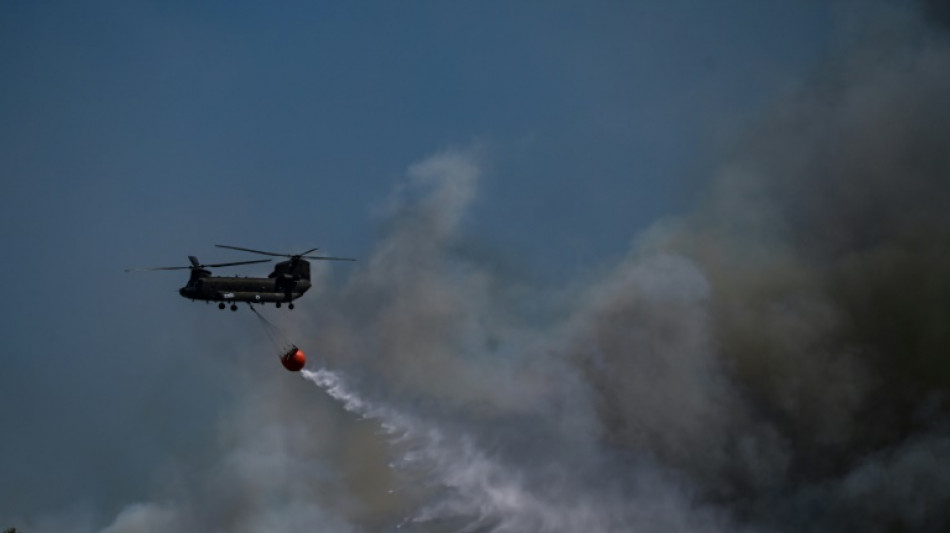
238, 263
252, 251
323, 258
194, 261
155, 268
301, 254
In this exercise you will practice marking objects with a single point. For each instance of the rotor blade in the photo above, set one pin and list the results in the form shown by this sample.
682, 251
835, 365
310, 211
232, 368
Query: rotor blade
253, 251
238, 263
155, 268
329, 258
301, 254
194, 261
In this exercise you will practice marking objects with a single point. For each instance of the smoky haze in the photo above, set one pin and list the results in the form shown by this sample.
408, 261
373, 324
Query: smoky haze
774, 361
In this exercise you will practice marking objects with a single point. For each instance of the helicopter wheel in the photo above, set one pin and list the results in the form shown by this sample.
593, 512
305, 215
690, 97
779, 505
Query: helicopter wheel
234, 307
221, 305
278, 305
290, 306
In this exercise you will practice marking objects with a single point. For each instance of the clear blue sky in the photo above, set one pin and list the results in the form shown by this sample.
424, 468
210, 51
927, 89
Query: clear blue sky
137, 133
167, 126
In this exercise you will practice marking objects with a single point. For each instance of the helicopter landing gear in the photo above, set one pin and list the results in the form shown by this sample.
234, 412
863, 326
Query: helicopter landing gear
277, 305
290, 306
234, 307
221, 305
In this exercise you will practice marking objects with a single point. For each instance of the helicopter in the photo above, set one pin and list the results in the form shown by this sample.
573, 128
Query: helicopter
289, 280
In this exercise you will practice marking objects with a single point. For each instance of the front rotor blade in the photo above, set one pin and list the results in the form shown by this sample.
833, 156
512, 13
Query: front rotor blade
155, 268
194, 261
253, 251
301, 254
238, 263
329, 258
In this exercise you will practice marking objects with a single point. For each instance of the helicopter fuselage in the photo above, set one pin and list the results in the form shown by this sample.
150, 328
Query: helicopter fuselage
288, 281
238, 289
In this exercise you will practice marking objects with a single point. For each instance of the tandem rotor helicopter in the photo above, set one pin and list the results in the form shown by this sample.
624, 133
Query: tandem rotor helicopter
289, 280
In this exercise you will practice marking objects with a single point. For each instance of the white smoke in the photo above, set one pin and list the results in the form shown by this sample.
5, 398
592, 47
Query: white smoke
144, 517
488, 411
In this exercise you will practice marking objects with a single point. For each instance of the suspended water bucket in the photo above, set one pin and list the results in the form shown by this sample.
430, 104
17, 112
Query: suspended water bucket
293, 359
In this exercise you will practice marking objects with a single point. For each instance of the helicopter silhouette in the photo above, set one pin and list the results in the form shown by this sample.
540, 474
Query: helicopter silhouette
289, 280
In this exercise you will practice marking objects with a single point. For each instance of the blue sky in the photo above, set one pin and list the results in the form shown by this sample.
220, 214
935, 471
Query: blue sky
159, 117
137, 133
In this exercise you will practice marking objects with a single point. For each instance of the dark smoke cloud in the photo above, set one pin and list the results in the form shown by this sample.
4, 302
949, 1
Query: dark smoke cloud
826, 247
775, 362
937, 12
